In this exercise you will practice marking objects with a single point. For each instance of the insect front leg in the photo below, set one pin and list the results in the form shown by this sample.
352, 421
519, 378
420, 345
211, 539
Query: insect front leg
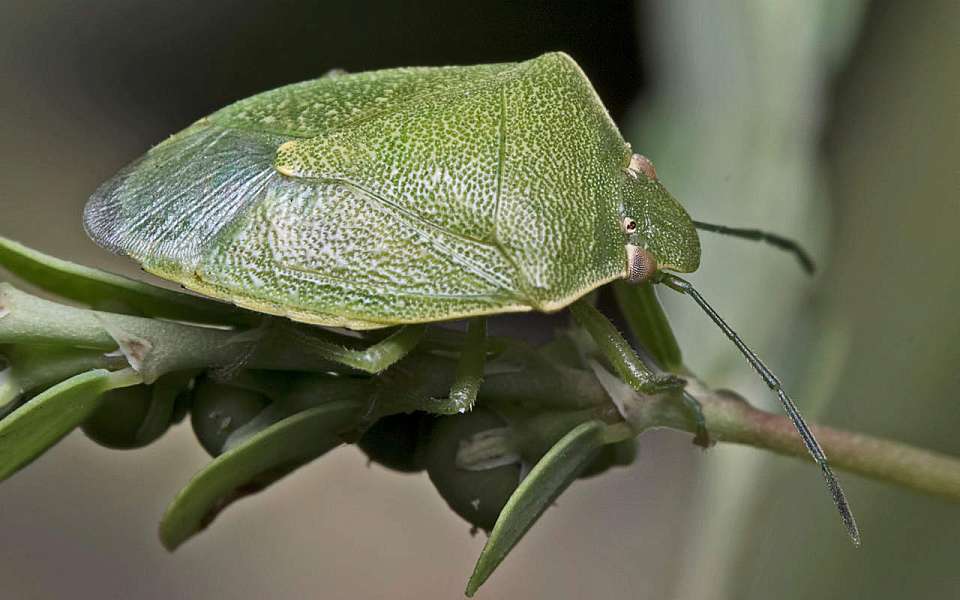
648, 324
620, 354
628, 365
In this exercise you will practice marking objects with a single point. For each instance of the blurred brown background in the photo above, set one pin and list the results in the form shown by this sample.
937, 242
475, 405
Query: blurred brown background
833, 121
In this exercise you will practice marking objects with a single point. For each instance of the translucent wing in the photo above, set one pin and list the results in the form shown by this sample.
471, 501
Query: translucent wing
165, 208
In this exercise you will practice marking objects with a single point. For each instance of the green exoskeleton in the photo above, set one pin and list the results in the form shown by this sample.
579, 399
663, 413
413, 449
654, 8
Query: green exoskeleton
413, 195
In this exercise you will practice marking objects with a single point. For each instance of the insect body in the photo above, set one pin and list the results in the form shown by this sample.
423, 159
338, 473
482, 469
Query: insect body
398, 196
414, 195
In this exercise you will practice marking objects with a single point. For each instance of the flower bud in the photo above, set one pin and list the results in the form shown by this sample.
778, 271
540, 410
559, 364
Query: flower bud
220, 409
398, 441
476, 495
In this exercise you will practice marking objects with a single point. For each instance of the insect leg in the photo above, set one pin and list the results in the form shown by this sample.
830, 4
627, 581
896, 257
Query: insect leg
806, 261
469, 376
620, 354
701, 437
839, 498
373, 358
631, 368
648, 323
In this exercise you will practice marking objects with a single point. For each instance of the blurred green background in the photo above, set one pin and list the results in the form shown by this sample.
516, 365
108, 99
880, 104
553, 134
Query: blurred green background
833, 121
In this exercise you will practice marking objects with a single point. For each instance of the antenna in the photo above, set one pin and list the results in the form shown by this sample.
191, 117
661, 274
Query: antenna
783, 243
685, 287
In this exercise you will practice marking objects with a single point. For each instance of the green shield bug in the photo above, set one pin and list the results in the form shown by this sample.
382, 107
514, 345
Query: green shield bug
412, 195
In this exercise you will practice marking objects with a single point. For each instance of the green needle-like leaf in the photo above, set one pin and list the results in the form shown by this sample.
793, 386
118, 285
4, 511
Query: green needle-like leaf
250, 466
648, 323
103, 290
548, 479
40, 423
162, 405
35, 367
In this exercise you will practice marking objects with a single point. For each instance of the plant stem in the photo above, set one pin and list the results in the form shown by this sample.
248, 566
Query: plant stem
731, 419
538, 385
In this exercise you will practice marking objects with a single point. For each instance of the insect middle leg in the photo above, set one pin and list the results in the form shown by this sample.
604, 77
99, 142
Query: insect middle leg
469, 375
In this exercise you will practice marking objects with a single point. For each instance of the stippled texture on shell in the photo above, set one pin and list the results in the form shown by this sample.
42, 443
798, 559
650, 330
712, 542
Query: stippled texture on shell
396, 196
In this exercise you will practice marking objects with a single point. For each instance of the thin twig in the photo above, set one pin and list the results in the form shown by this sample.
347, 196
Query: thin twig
731, 419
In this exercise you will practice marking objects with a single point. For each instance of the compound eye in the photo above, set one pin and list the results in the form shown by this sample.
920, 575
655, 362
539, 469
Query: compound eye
629, 225
641, 264
641, 164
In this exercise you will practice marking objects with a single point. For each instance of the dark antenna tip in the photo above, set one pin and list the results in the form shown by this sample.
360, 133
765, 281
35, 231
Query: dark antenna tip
840, 500
778, 241
836, 492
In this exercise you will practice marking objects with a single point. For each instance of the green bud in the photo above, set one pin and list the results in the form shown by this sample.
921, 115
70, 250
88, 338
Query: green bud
220, 409
133, 417
476, 495
398, 441
620, 454
116, 423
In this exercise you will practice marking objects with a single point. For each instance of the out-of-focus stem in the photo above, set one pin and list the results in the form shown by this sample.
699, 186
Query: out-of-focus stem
731, 419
